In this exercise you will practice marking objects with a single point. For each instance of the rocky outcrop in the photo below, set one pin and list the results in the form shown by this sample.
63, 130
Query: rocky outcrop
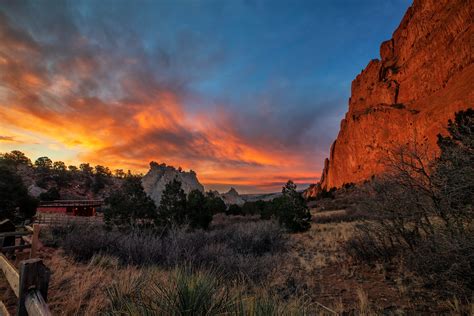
424, 76
35, 191
159, 175
312, 191
232, 197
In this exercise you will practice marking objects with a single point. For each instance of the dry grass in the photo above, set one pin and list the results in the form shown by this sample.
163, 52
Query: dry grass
105, 287
79, 289
315, 272
319, 268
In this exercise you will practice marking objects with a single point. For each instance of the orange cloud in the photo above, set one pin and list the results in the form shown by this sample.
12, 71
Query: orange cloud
128, 136
62, 103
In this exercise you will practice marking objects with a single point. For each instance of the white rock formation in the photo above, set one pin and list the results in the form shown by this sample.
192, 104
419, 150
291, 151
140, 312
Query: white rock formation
159, 175
35, 190
232, 197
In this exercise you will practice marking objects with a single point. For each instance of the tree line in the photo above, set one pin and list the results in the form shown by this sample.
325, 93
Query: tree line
131, 206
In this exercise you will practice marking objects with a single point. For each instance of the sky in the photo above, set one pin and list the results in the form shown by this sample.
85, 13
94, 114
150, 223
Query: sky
246, 93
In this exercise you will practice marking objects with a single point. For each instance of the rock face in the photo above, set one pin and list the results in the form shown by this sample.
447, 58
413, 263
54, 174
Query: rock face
35, 191
312, 191
424, 76
159, 175
232, 197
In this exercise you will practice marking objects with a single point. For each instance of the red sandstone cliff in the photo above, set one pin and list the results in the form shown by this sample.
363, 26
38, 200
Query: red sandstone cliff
425, 75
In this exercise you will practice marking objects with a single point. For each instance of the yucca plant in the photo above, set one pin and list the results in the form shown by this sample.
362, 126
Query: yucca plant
255, 306
126, 297
265, 305
104, 261
190, 292
187, 292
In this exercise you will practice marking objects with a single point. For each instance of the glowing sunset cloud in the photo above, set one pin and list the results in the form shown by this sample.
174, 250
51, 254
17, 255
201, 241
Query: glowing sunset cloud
122, 86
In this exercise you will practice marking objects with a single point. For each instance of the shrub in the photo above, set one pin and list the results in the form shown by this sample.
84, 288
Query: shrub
104, 261
327, 194
234, 209
50, 195
446, 263
423, 211
15, 158
291, 209
249, 250
214, 203
192, 292
83, 242
198, 213
348, 215
14, 195
129, 205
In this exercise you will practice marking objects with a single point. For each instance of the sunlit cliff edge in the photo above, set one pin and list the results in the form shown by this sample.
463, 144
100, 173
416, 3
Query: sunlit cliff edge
425, 75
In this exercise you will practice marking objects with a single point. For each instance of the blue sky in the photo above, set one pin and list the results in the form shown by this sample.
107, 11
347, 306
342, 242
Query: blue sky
271, 77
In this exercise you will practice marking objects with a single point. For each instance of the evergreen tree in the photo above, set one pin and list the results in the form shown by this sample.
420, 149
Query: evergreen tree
172, 209
15, 203
198, 213
234, 209
43, 167
15, 158
60, 174
214, 203
102, 177
51, 195
43, 164
453, 177
291, 209
130, 205
86, 169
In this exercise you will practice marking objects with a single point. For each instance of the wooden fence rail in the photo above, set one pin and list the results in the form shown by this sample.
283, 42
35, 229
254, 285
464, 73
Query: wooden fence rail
72, 203
30, 286
63, 220
30, 282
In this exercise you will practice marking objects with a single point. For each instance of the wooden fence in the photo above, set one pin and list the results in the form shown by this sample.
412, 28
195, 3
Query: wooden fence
30, 282
51, 219
72, 203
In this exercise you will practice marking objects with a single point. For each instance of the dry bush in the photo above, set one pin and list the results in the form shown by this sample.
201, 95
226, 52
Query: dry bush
222, 220
349, 215
423, 212
447, 263
249, 250
103, 287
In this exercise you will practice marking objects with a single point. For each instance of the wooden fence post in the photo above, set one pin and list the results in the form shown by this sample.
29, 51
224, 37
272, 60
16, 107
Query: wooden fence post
11, 274
35, 240
5, 227
33, 287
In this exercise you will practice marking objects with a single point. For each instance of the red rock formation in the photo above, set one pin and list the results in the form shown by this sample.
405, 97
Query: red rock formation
425, 75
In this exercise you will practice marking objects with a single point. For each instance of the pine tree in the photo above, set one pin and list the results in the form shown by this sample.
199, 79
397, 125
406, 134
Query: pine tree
130, 205
198, 213
291, 209
172, 209
14, 195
